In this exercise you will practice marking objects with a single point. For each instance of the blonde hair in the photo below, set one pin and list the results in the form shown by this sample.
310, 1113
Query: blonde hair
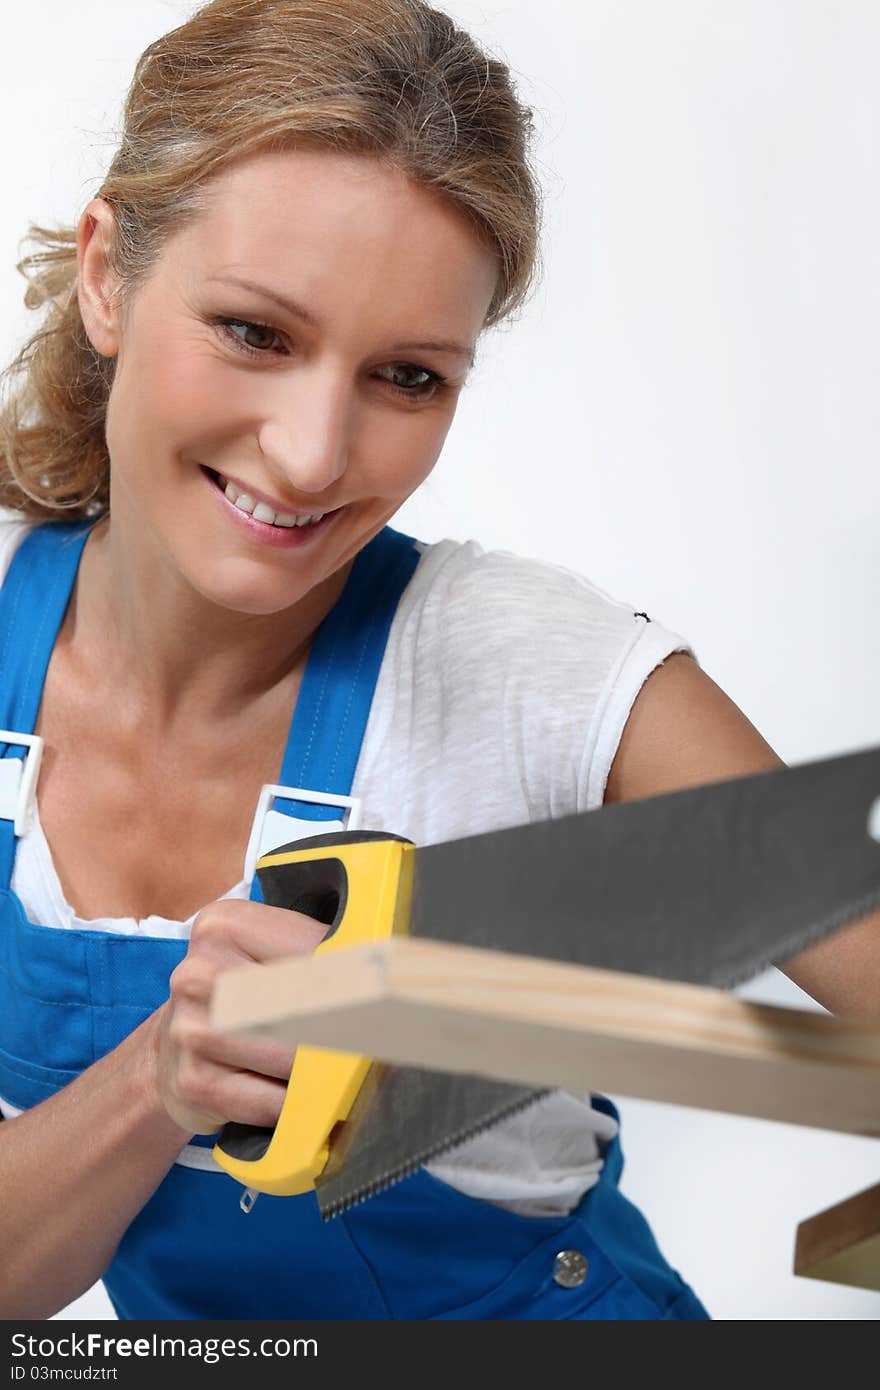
393, 78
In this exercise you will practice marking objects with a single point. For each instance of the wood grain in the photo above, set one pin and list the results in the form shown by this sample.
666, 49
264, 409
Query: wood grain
517, 1018
842, 1243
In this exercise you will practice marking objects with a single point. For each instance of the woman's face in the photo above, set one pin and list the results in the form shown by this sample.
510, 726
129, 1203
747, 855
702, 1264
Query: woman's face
340, 407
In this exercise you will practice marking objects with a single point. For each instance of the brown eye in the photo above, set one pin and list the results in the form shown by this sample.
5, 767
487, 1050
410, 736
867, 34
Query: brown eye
251, 329
411, 372
415, 390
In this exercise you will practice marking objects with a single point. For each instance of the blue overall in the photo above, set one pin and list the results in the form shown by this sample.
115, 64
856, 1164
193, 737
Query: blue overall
418, 1250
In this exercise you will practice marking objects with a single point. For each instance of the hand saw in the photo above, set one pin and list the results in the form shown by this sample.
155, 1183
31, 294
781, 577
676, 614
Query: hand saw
709, 885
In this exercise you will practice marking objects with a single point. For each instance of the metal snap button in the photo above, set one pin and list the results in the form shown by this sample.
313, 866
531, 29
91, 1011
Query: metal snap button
570, 1268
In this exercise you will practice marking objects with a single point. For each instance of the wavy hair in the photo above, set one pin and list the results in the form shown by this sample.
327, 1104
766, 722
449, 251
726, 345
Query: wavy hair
392, 78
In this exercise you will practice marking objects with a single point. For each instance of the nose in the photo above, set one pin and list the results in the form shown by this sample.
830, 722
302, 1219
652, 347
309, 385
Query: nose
305, 438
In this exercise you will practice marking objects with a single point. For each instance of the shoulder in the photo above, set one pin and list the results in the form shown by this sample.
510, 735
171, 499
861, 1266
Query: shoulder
501, 597
532, 654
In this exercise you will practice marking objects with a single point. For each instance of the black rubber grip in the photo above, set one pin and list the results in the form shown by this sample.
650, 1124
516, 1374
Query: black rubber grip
318, 888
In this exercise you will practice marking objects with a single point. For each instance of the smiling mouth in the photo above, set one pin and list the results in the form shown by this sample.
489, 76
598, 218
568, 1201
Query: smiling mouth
259, 510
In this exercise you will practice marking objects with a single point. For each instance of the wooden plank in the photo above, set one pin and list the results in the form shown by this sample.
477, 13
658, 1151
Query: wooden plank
516, 1018
842, 1243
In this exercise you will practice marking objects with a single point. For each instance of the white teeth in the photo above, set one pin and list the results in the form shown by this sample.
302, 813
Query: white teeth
261, 512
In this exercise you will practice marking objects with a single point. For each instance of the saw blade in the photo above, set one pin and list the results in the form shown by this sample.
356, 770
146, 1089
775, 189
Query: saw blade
709, 885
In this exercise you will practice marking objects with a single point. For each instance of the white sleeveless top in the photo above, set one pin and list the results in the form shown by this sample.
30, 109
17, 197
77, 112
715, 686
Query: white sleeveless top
502, 695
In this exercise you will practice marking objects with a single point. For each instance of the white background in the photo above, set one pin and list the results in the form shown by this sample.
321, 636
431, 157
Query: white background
687, 414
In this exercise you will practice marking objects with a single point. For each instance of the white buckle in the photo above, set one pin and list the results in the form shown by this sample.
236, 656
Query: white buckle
18, 780
268, 794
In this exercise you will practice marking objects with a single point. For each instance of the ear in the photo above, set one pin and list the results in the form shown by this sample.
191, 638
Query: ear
96, 281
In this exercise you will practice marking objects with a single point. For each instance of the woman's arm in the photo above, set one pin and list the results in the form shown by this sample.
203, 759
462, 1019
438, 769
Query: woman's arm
683, 731
77, 1168
74, 1171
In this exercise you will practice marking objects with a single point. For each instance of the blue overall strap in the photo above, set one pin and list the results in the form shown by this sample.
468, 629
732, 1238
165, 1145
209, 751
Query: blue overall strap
331, 713
33, 598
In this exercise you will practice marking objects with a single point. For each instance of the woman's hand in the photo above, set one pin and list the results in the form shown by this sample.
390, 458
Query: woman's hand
204, 1078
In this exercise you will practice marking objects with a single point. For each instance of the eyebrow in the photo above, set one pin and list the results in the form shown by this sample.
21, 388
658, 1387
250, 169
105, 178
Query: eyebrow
299, 311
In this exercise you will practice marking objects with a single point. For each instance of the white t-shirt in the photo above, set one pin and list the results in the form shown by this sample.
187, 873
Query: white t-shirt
503, 692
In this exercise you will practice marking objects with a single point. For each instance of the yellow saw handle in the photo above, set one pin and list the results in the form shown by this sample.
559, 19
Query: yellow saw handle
359, 882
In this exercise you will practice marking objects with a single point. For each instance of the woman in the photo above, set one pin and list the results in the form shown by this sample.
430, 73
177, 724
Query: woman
256, 339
